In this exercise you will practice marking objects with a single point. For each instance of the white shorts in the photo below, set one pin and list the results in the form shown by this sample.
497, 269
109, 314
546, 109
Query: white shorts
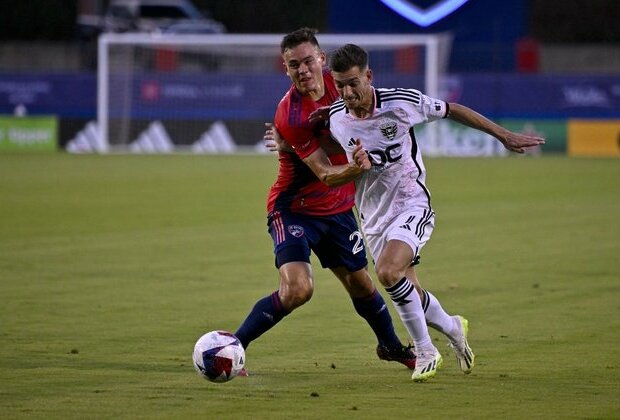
413, 227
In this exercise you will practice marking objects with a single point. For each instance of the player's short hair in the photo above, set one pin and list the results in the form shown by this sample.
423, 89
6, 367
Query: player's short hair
297, 37
347, 57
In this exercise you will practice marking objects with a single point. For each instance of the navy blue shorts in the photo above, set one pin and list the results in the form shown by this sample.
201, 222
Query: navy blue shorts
335, 240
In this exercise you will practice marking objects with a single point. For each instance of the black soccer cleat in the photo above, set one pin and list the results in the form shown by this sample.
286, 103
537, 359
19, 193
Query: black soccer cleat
403, 355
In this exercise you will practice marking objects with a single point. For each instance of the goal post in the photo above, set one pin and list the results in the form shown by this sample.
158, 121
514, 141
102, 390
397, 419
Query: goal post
212, 93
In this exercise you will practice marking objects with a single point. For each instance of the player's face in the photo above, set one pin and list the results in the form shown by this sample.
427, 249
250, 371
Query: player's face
304, 65
354, 87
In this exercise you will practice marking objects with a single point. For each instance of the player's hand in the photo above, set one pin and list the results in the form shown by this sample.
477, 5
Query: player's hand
517, 142
273, 141
320, 114
269, 138
360, 156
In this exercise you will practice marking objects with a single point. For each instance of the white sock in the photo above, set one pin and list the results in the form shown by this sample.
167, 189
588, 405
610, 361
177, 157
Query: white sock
409, 307
435, 315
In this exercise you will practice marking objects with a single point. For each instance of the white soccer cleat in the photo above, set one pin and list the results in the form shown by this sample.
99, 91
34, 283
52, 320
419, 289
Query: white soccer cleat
464, 356
427, 363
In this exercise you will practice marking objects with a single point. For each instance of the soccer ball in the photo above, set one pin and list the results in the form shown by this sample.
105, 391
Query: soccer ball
218, 356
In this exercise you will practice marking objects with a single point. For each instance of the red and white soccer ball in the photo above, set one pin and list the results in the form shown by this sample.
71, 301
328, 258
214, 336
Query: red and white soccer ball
218, 356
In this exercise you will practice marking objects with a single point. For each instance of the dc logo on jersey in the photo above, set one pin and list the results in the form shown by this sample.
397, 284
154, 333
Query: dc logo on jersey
389, 129
296, 230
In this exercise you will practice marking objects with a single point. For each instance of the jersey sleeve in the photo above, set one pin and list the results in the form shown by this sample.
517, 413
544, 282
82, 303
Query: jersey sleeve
334, 123
333, 131
301, 140
300, 136
427, 109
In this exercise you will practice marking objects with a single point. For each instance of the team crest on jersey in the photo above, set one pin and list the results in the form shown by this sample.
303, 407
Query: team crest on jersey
389, 129
296, 230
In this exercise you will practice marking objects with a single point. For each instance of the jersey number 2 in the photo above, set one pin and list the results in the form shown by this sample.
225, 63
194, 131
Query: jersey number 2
359, 242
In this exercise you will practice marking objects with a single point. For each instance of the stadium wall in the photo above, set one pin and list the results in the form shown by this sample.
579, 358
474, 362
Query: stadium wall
568, 110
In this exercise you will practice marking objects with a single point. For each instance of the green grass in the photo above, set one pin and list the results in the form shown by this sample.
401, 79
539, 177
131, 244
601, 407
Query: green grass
112, 266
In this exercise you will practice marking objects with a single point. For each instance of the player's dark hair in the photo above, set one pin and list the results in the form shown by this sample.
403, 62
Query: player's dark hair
347, 57
297, 37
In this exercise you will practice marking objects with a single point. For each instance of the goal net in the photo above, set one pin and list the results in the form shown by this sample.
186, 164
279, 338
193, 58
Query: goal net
213, 93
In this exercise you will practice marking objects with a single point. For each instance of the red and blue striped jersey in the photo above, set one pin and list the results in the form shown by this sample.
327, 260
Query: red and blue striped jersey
297, 189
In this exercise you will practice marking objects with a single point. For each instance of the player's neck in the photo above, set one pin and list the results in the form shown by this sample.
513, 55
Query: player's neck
317, 93
364, 110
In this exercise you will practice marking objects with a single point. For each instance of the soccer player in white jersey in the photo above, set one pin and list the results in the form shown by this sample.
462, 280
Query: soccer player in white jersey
391, 196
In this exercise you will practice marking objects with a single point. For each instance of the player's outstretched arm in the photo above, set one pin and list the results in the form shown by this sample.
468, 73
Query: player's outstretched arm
334, 176
515, 142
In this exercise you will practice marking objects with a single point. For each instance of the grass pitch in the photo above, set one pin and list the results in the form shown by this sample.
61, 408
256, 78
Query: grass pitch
112, 266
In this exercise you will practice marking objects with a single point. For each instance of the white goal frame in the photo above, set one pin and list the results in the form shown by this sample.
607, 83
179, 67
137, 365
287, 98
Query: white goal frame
437, 51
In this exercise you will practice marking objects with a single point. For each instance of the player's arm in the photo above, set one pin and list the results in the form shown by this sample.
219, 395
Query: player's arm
515, 142
335, 175
319, 114
319, 162
275, 143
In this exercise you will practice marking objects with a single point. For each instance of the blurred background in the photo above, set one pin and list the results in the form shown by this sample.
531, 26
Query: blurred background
545, 67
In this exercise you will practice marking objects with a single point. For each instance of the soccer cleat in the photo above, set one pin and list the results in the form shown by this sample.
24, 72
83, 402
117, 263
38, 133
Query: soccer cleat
402, 354
464, 356
427, 363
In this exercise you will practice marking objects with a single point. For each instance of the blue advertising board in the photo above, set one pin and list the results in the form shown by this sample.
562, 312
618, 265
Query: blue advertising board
256, 97
67, 95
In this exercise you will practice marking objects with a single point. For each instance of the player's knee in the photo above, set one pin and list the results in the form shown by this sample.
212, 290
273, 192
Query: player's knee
296, 295
296, 284
388, 275
360, 284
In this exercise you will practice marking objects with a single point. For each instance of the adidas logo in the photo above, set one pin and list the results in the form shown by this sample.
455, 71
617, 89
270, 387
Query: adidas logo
351, 142
432, 366
402, 301
154, 139
216, 139
86, 141
407, 223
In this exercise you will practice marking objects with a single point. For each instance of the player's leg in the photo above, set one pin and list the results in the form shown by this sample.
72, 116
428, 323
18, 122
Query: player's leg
455, 327
292, 252
369, 304
391, 267
342, 250
394, 249
265, 314
436, 316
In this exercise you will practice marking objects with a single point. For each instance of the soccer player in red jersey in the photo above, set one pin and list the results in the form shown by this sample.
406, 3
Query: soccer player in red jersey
306, 215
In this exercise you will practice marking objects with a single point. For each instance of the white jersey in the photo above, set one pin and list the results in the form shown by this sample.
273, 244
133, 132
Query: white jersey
396, 182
